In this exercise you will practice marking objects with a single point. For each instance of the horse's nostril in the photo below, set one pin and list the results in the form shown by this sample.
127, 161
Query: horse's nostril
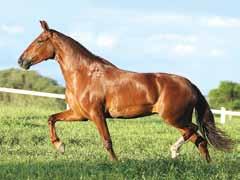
20, 61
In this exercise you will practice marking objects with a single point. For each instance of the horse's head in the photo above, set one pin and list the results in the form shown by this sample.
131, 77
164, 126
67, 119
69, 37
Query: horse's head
40, 49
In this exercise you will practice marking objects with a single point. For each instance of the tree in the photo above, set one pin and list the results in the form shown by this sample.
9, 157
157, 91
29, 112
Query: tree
226, 95
29, 80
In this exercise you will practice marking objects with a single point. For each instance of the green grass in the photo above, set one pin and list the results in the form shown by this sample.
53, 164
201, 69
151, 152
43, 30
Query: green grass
142, 146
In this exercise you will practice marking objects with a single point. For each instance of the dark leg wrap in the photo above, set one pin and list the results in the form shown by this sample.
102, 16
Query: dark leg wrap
199, 140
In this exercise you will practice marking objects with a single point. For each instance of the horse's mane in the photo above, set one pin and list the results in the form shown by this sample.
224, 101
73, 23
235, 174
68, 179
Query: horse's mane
83, 50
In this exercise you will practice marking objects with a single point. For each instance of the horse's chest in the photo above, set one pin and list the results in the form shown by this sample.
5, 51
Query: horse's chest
74, 103
83, 102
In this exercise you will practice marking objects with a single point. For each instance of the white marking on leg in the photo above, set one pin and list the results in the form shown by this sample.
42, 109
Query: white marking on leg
176, 147
59, 146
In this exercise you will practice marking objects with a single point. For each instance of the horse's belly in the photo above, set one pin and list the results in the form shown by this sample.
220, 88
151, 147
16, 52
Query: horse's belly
130, 111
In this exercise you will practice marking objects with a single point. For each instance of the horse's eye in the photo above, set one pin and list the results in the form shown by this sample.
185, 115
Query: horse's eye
40, 41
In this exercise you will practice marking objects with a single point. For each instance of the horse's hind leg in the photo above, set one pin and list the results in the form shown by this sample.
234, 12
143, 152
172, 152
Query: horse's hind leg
187, 133
201, 144
190, 133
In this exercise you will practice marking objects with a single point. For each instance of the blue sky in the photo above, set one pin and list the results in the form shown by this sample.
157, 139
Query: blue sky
195, 39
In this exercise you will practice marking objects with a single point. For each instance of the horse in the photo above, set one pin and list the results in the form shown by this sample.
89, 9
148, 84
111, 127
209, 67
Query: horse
96, 89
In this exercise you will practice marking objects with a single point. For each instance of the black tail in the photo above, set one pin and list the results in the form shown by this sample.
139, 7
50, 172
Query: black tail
205, 119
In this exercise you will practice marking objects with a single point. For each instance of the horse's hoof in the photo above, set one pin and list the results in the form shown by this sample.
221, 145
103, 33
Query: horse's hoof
174, 155
174, 152
114, 158
208, 159
60, 147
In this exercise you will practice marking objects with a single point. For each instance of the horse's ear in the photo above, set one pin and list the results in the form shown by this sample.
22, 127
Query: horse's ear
44, 25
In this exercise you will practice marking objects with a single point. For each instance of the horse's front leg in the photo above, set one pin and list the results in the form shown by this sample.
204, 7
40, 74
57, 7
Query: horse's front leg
100, 121
68, 115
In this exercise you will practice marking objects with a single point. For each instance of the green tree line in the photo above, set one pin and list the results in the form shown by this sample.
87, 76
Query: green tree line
226, 95
29, 80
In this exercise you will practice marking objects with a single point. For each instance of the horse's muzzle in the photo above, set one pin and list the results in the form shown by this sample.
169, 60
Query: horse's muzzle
25, 64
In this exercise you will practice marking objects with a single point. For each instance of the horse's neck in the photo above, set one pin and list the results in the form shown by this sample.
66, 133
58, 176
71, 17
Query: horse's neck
74, 58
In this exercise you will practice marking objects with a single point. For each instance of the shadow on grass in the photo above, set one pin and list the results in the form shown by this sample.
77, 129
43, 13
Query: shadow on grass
162, 168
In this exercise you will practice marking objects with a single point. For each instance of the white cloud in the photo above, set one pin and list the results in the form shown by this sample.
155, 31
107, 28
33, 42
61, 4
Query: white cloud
174, 37
176, 50
151, 49
106, 41
83, 37
90, 38
217, 52
149, 18
183, 49
137, 17
218, 21
12, 29
158, 18
171, 44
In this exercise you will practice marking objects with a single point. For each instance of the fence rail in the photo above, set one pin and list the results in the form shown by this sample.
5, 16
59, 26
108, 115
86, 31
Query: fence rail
223, 112
33, 93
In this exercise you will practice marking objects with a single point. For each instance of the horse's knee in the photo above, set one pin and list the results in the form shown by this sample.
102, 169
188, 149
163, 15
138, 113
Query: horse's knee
51, 120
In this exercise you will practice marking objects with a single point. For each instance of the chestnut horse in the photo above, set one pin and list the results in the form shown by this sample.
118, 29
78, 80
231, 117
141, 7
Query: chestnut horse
96, 89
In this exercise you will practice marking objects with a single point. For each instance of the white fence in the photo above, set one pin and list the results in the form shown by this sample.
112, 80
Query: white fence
223, 112
33, 93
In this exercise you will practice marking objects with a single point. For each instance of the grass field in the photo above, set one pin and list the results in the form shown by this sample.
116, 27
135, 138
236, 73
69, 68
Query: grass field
142, 146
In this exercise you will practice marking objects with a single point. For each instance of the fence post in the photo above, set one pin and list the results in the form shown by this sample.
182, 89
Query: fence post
223, 115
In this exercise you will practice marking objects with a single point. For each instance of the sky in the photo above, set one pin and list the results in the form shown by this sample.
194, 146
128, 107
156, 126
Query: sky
195, 39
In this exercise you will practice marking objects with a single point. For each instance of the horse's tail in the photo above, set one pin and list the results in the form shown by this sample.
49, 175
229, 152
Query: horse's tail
205, 119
